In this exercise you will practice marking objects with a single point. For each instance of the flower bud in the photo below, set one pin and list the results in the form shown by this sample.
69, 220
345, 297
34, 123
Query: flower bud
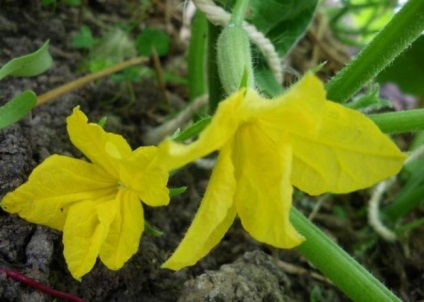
234, 59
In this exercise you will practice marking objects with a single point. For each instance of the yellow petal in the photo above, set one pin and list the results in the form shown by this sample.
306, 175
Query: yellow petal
264, 194
143, 173
213, 219
222, 127
125, 231
298, 111
102, 148
83, 235
55, 184
350, 153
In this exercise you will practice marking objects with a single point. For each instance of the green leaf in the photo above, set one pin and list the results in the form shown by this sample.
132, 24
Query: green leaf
316, 294
282, 21
371, 17
266, 82
318, 67
175, 79
410, 226
72, 2
339, 212
192, 130
152, 38
176, 191
48, 2
84, 39
370, 100
29, 65
96, 65
17, 108
407, 71
114, 47
356, 22
129, 74
102, 122
151, 230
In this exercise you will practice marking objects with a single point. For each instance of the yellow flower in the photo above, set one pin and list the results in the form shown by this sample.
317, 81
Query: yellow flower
267, 146
97, 205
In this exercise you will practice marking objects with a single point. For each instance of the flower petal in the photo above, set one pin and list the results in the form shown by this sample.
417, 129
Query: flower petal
298, 111
350, 153
146, 175
264, 194
102, 148
125, 231
55, 184
83, 235
222, 127
212, 220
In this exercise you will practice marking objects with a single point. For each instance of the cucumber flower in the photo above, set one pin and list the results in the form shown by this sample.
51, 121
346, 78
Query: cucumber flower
96, 205
265, 148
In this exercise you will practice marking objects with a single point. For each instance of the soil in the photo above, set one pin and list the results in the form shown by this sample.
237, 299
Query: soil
239, 268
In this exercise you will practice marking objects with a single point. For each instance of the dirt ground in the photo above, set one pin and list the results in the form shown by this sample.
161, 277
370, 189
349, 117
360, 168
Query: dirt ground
239, 269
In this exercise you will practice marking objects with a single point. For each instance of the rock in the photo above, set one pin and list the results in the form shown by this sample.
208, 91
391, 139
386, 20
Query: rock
252, 278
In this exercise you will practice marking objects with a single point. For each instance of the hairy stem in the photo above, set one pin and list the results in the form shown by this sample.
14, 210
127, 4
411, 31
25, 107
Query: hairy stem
239, 11
197, 56
400, 121
347, 274
214, 84
404, 28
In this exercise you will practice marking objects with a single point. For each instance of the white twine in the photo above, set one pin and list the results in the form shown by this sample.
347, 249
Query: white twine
374, 211
377, 195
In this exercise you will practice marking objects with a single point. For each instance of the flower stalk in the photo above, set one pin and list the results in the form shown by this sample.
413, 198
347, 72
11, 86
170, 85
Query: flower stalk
399, 121
239, 12
347, 274
233, 53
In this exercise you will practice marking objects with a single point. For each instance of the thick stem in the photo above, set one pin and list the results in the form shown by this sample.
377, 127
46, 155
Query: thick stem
347, 274
399, 121
197, 56
404, 28
408, 198
405, 203
239, 11
214, 84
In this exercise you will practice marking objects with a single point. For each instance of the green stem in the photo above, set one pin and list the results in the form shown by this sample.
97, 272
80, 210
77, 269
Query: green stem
405, 27
214, 84
408, 198
411, 225
239, 11
347, 274
400, 121
197, 56
405, 203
